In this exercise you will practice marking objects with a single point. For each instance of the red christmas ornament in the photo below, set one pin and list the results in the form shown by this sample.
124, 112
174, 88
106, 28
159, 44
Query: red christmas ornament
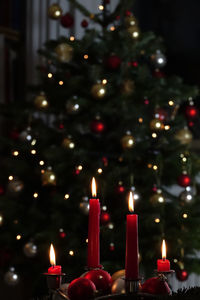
105, 161
67, 20
2, 190
128, 13
97, 126
161, 114
117, 18
191, 112
104, 218
184, 180
191, 124
112, 247
101, 279
84, 23
62, 234
155, 286
182, 275
61, 126
113, 62
81, 288
146, 101
158, 74
120, 189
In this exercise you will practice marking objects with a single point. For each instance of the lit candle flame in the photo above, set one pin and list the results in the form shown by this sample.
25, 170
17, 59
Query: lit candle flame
164, 252
52, 256
94, 188
131, 202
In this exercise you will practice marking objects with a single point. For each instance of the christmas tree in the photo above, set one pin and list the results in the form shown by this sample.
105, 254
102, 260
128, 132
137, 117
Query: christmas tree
105, 108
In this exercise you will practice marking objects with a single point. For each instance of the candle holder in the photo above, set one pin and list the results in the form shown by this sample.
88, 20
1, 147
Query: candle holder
132, 286
54, 280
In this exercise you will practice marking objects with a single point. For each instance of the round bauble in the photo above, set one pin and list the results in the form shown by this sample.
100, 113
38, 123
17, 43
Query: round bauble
64, 52
157, 198
156, 286
41, 101
128, 87
15, 185
68, 143
118, 274
159, 59
72, 105
48, 177
11, 277
120, 189
186, 197
98, 91
191, 112
130, 21
184, 180
161, 114
30, 249
113, 62
97, 126
26, 135
104, 218
184, 136
182, 275
101, 279
118, 286
127, 141
81, 288
156, 125
84, 23
84, 207
67, 20
54, 11
134, 32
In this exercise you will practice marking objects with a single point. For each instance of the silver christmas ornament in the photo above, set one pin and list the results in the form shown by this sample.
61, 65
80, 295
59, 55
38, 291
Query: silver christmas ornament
30, 249
186, 197
26, 135
15, 185
118, 286
159, 59
72, 105
11, 277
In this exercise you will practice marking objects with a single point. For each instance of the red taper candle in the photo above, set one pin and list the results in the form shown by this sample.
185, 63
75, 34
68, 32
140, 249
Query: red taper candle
132, 263
56, 270
93, 230
163, 265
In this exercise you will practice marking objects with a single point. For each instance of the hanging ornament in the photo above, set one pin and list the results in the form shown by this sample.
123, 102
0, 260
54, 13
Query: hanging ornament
158, 74
186, 197
98, 91
11, 277
67, 20
191, 111
128, 87
157, 197
15, 186
156, 125
26, 135
101, 279
41, 101
64, 52
182, 275
84, 23
134, 32
68, 143
113, 62
112, 247
84, 206
30, 249
130, 21
73, 105
62, 234
184, 180
81, 288
97, 125
104, 218
54, 11
48, 177
127, 141
118, 286
156, 286
120, 189
159, 59
184, 136
2, 190
161, 114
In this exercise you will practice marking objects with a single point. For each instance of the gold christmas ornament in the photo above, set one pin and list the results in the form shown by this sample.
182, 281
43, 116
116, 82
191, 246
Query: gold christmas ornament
157, 198
128, 87
156, 125
54, 11
41, 101
30, 249
11, 277
98, 90
64, 52
118, 274
68, 143
184, 136
134, 32
127, 141
130, 21
118, 286
48, 177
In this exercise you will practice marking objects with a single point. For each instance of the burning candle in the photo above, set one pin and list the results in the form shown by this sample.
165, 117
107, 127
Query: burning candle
93, 230
56, 270
132, 264
163, 265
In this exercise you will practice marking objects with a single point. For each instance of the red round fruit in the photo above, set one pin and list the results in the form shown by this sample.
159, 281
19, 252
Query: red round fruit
113, 62
81, 288
182, 275
104, 218
191, 112
97, 126
184, 180
101, 279
155, 286
67, 20
84, 23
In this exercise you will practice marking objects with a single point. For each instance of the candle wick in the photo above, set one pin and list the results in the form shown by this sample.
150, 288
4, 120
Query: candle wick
164, 258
